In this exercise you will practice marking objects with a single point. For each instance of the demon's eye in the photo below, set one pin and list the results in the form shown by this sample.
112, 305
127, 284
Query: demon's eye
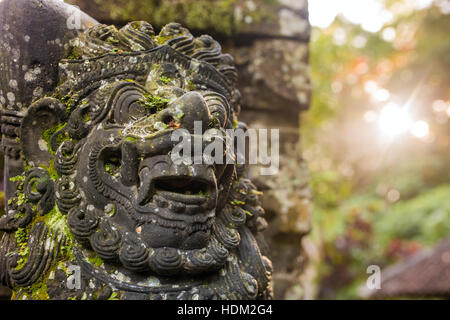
111, 159
131, 103
112, 166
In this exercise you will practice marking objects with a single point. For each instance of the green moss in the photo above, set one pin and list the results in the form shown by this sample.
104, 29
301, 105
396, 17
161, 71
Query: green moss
19, 178
51, 169
74, 55
257, 192
47, 135
109, 169
236, 202
131, 139
66, 251
154, 103
165, 79
56, 221
96, 260
235, 123
112, 40
190, 85
68, 100
160, 125
162, 39
214, 122
136, 25
18, 214
21, 199
212, 16
114, 296
113, 211
201, 193
39, 290
179, 115
86, 117
21, 236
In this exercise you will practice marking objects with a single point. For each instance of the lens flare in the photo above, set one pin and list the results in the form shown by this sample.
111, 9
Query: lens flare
394, 120
420, 129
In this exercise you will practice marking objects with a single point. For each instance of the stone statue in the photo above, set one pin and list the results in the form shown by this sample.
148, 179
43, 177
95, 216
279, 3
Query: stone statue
100, 210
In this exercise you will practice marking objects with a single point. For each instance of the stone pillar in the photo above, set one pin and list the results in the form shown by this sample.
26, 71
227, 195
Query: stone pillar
28, 69
274, 82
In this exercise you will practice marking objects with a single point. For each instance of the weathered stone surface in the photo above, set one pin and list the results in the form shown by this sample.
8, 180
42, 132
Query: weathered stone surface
288, 204
278, 19
101, 192
273, 77
34, 34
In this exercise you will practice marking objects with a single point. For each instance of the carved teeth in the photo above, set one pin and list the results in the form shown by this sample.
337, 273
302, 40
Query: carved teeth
144, 192
177, 207
204, 207
160, 201
180, 225
192, 209
200, 218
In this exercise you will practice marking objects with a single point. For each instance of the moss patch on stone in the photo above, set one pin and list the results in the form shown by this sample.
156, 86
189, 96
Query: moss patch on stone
224, 17
154, 103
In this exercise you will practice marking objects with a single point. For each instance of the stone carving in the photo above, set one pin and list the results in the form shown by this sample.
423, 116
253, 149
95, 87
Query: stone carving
100, 192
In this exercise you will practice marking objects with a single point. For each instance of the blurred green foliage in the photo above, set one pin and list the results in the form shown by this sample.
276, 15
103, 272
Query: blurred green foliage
377, 201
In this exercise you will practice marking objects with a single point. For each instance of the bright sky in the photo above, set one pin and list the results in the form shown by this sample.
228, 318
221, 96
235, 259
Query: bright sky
370, 14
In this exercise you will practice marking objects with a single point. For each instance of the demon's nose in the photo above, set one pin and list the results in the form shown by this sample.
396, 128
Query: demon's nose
185, 111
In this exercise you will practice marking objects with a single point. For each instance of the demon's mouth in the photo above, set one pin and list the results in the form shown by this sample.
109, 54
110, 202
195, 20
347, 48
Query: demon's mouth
183, 206
186, 190
189, 199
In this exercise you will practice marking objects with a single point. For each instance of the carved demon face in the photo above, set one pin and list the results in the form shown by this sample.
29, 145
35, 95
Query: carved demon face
126, 170
100, 149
